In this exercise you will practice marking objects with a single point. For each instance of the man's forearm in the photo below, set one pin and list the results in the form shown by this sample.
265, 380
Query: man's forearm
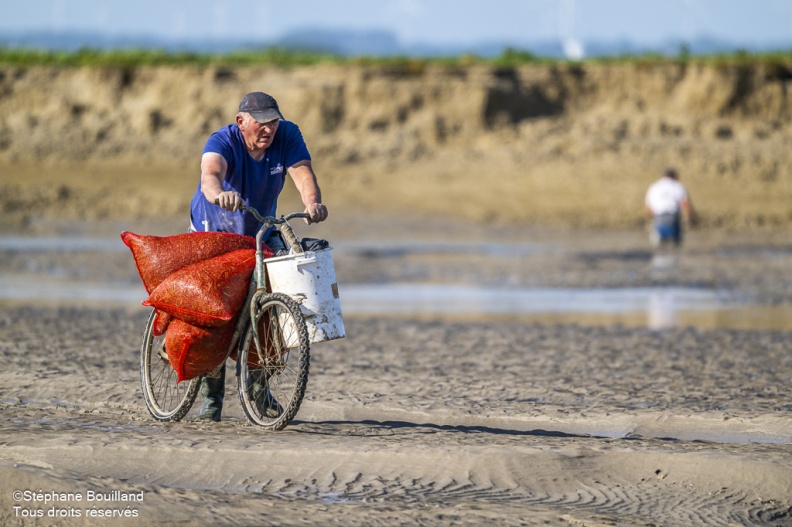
305, 181
210, 187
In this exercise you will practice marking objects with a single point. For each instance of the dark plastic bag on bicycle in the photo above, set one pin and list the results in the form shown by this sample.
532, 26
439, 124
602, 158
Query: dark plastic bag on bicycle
207, 293
157, 257
194, 350
308, 244
314, 244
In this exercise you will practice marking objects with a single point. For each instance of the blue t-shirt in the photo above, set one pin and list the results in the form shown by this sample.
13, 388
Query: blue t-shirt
258, 182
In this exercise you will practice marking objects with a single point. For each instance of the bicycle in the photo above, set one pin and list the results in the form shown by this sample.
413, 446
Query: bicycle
272, 359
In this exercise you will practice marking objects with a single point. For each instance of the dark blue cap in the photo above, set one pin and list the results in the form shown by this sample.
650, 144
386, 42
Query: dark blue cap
262, 107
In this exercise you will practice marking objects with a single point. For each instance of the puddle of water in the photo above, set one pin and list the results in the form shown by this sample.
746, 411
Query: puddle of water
649, 307
381, 249
48, 291
436, 298
60, 244
389, 249
656, 308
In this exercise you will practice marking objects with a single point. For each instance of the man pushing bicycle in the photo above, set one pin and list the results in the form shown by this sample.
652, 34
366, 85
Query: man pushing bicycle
245, 163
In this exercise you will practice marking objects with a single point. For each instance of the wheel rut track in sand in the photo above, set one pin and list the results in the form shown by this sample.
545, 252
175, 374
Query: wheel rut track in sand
411, 416
324, 463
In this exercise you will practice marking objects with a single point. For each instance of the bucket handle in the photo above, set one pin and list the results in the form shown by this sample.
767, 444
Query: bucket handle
305, 260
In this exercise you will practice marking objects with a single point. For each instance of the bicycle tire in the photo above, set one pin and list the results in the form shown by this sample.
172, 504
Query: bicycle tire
166, 400
278, 370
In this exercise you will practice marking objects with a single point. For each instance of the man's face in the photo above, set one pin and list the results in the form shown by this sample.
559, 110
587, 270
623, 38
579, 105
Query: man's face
258, 136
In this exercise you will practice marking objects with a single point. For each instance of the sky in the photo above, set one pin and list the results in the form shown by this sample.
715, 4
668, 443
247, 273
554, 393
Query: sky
440, 22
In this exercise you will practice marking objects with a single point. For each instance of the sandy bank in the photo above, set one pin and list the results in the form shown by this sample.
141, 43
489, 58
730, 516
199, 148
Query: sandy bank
564, 146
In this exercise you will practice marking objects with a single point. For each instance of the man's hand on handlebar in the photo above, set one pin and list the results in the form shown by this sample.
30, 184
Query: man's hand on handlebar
229, 200
316, 212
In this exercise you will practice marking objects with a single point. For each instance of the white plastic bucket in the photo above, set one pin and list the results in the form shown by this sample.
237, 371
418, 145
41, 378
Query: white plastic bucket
310, 279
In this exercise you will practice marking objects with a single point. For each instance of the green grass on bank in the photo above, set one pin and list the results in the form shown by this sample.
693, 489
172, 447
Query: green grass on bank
153, 57
510, 57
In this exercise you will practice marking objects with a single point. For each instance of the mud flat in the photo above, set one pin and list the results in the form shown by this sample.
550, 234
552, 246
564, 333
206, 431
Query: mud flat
420, 419
416, 422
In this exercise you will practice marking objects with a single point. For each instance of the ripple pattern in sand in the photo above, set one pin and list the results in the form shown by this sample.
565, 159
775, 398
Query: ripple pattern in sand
422, 420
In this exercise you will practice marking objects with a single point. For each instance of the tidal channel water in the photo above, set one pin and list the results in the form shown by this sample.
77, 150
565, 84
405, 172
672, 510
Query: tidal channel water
52, 273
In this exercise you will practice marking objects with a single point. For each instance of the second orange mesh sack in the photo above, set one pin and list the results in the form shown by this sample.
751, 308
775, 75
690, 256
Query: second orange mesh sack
207, 293
193, 350
203, 301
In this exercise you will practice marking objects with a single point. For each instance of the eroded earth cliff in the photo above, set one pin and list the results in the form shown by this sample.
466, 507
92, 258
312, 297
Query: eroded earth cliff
572, 145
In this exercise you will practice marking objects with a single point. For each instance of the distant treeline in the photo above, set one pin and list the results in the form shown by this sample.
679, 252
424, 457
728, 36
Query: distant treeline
275, 56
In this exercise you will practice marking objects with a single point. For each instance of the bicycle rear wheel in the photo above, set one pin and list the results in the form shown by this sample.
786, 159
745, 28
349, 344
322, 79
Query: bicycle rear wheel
273, 371
166, 399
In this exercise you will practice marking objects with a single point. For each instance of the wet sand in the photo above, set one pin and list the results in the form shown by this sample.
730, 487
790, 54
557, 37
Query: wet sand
424, 420
411, 422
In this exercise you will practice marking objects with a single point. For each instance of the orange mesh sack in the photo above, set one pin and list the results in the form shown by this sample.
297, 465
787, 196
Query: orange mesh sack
157, 257
193, 350
207, 293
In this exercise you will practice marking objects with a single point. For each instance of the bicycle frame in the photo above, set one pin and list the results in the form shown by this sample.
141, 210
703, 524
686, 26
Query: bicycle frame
258, 282
260, 274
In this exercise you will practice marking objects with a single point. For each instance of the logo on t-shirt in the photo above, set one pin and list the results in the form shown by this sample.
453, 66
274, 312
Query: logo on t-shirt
276, 169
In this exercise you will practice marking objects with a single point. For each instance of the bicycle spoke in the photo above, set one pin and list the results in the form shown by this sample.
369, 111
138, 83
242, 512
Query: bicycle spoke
272, 390
166, 399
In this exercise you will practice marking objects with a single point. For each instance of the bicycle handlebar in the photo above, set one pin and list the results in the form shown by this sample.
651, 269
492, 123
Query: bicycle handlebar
284, 228
270, 220
273, 220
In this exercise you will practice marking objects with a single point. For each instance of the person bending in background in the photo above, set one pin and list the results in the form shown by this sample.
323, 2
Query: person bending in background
666, 201
245, 163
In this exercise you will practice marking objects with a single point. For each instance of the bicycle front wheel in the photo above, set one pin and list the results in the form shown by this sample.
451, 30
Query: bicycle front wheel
166, 399
273, 369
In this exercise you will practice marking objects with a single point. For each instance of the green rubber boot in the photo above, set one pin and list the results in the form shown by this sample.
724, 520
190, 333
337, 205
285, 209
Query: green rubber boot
213, 391
267, 404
